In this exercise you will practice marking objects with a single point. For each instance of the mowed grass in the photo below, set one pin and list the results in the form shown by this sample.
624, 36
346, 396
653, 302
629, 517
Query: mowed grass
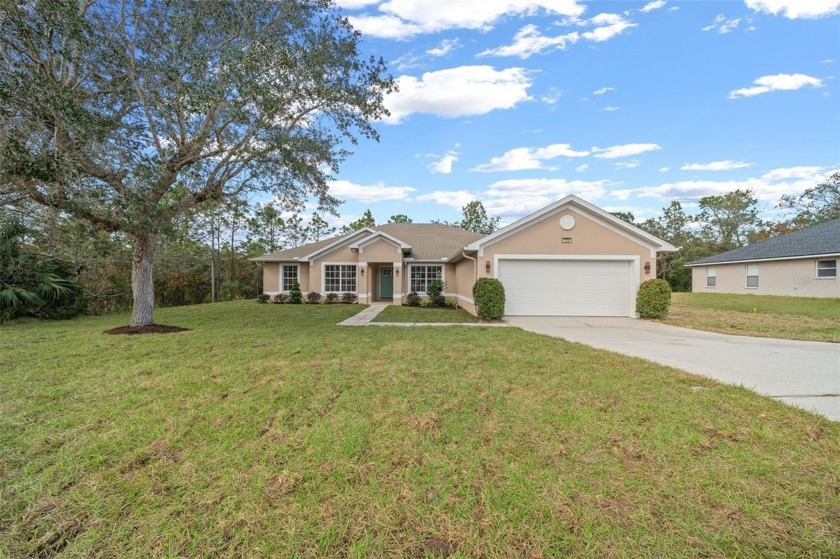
765, 316
267, 431
400, 313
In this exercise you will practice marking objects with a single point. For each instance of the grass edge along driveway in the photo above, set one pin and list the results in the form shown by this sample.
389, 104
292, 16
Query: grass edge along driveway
267, 431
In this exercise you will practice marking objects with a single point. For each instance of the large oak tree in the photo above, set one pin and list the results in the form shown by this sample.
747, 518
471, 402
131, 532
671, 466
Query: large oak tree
127, 113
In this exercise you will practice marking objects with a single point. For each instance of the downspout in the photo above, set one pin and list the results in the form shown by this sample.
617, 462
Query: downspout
475, 265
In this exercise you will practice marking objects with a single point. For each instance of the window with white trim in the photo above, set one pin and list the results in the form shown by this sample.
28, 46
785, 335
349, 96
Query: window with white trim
826, 268
711, 277
290, 276
422, 276
340, 278
752, 275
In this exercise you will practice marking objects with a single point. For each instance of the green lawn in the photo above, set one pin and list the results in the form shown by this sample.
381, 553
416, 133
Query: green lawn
269, 431
767, 316
399, 313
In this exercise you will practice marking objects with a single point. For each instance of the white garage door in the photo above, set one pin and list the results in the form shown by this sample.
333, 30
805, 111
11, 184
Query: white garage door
567, 287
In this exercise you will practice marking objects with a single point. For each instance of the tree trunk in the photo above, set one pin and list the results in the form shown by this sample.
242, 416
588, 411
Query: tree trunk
142, 283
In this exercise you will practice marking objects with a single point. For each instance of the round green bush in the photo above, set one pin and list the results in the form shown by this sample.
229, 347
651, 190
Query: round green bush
654, 299
489, 297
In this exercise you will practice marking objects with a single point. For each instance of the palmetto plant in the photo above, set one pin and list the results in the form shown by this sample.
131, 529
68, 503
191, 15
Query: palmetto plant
28, 285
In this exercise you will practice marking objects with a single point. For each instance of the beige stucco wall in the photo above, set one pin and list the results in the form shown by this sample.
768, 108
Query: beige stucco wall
588, 237
271, 277
796, 278
380, 251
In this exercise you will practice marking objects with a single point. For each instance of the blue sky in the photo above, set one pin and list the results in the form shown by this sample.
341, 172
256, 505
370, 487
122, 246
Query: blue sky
627, 104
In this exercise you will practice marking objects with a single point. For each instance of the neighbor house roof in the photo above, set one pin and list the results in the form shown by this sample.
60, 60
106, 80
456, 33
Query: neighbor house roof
428, 241
822, 239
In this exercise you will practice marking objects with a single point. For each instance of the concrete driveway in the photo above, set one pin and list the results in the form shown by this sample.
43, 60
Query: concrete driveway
804, 374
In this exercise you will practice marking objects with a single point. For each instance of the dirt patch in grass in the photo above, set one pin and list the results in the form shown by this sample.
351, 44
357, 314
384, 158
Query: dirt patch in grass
150, 329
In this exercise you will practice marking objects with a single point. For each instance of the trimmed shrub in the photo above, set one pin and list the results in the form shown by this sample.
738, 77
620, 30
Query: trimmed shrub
435, 293
653, 299
412, 299
331, 298
281, 298
263, 298
451, 302
425, 303
489, 297
295, 296
313, 298
349, 298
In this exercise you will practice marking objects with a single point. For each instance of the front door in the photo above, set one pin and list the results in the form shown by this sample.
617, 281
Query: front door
386, 282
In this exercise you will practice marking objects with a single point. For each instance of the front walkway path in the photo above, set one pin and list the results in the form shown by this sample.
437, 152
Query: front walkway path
365, 317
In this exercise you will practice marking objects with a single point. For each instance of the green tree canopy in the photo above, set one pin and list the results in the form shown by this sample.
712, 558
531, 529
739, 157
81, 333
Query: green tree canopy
127, 113
816, 205
476, 219
400, 218
365, 221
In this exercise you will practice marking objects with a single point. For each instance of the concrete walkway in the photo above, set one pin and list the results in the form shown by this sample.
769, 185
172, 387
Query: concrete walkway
804, 374
364, 317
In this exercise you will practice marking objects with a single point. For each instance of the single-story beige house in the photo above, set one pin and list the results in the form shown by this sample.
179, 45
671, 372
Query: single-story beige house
570, 258
802, 263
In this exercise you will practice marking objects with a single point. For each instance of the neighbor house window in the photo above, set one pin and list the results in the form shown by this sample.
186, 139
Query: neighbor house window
422, 276
752, 275
826, 268
711, 278
290, 276
340, 278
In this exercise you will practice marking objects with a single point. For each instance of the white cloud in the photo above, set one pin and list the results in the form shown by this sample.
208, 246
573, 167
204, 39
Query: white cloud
608, 26
715, 166
461, 91
518, 197
521, 159
602, 90
723, 25
626, 164
408, 61
552, 96
650, 6
777, 82
787, 173
445, 47
529, 41
378, 192
610, 108
354, 4
444, 164
582, 168
625, 150
664, 169
769, 187
795, 9
402, 19
453, 198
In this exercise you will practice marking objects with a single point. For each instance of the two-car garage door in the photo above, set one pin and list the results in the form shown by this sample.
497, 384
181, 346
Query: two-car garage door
567, 287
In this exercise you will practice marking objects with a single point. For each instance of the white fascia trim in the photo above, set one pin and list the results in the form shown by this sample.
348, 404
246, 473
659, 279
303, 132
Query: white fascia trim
361, 243
808, 257
630, 231
337, 244
324, 279
634, 261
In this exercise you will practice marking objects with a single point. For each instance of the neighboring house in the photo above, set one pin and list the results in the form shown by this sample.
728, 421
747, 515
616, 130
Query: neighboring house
802, 263
570, 258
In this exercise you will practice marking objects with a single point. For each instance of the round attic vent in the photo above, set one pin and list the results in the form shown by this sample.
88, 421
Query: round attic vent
567, 222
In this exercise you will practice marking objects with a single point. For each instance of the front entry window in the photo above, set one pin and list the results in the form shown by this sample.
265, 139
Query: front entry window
339, 278
422, 276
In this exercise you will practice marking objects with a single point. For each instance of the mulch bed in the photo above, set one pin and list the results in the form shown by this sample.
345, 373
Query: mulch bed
150, 329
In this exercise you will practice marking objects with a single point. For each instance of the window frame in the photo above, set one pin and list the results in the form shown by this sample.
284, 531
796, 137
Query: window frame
344, 275
711, 276
756, 275
426, 281
833, 268
283, 276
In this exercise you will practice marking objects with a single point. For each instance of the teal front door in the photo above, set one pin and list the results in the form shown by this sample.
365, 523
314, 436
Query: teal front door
386, 282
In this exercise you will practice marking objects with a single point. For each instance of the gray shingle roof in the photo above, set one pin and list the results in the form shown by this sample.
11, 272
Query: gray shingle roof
812, 241
429, 241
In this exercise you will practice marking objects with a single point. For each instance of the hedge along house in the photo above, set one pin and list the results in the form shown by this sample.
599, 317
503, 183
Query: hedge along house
802, 263
570, 258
